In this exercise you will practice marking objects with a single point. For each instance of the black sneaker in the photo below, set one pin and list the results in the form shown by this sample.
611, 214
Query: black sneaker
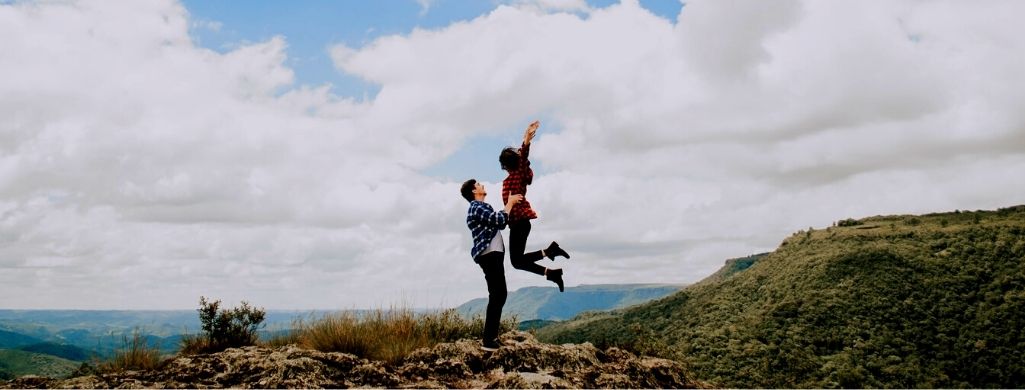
554, 250
490, 345
555, 275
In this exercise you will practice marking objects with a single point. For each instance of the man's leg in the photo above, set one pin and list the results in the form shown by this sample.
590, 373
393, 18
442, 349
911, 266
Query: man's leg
518, 232
494, 274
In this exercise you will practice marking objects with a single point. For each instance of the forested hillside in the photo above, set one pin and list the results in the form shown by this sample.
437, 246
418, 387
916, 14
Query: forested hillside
934, 300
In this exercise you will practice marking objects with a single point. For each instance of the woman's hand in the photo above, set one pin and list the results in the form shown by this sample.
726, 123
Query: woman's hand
529, 134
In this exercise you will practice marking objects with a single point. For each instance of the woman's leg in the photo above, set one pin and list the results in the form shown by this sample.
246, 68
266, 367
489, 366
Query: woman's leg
518, 232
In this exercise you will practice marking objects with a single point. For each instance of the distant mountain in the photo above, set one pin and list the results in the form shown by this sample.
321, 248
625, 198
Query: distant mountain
76, 326
547, 303
904, 301
15, 363
10, 339
102, 330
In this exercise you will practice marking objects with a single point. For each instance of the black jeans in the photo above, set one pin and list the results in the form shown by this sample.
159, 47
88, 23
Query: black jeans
518, 232
494, 274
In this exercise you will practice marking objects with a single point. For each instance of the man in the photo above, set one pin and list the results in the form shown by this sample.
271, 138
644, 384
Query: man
520, 176
488, 252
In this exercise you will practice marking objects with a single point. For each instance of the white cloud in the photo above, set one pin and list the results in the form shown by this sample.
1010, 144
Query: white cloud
553, 5
425, 5
138, 170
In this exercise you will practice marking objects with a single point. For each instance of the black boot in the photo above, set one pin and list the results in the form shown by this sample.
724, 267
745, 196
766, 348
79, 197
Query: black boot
554, 250
555, 275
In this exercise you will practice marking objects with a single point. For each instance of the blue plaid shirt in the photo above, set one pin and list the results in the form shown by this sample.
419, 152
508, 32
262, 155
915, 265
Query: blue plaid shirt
484, 224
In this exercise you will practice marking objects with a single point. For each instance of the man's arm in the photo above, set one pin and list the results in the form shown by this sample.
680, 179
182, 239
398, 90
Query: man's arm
513, 200
488, 216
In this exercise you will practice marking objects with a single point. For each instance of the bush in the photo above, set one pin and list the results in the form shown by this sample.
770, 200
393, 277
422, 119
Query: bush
223, 328
848, 222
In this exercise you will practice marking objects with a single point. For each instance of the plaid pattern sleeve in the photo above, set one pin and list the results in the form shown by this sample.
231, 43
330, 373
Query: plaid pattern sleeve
516, 183
484, 223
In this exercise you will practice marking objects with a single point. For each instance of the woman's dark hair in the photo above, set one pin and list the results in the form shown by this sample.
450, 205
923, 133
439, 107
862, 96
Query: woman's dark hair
467, 189
510, 158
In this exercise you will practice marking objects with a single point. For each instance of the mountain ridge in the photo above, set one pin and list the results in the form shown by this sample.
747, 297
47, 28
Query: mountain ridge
547, 303
934, 300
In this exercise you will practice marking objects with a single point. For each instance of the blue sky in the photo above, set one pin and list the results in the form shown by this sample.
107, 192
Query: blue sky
310, 27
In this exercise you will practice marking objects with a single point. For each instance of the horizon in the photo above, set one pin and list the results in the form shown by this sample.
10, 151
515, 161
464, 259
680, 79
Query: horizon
331, 310
308, 154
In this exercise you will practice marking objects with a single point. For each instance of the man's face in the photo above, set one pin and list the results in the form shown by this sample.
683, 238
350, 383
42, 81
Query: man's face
479, 190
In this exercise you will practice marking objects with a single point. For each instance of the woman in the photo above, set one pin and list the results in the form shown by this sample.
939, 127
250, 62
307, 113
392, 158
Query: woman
515, 162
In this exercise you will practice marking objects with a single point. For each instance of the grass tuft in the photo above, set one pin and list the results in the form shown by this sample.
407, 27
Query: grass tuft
384, 335
135, 353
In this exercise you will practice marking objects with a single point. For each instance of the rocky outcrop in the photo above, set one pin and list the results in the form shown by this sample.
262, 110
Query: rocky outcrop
521, 362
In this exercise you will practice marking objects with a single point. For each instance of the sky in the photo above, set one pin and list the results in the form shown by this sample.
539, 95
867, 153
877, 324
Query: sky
308, 155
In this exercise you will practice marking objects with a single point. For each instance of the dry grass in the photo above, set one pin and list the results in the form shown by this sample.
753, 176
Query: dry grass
192, 344
384, 335
134, 354
281, 339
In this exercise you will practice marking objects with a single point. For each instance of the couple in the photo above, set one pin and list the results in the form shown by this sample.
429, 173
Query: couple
488, 248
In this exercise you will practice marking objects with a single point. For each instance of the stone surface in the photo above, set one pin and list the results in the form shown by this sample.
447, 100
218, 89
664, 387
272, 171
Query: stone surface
521, 362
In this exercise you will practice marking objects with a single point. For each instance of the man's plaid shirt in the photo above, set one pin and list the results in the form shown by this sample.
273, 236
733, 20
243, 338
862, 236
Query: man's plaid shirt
516, 183
484, 224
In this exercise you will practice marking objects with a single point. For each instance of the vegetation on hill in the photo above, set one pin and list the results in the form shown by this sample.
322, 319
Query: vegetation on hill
935, 300
15, 363
65, 351
733, 266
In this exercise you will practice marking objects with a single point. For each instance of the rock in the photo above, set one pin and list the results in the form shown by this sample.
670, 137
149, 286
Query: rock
521, 362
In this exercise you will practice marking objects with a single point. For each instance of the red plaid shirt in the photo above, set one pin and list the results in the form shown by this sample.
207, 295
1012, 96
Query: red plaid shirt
517, 183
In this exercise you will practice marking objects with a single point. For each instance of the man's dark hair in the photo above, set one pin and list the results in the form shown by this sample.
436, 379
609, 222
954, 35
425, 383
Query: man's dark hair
510, 158
467, 189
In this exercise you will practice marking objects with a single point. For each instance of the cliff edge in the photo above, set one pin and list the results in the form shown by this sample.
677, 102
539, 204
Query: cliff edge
521, 362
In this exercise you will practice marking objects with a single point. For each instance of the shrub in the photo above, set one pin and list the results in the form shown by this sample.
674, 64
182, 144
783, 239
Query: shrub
223, 328
848, 222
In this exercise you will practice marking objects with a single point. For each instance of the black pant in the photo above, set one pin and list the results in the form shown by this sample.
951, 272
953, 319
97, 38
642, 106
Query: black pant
494, 274
518, 232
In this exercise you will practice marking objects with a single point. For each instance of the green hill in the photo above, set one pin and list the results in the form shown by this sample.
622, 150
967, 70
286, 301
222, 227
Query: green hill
15, 363
547, 303
65, 351
935, 300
